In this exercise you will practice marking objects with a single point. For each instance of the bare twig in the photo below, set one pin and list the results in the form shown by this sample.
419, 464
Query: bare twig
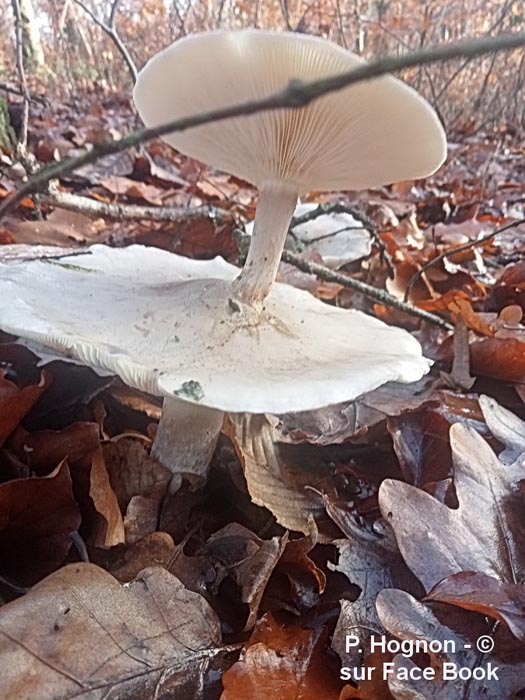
297, 94
17, 91
111, 30
379, 295
26, 97
458, 249
129, 212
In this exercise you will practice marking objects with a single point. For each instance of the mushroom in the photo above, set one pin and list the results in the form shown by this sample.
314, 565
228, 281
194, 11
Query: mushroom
168, 325
369, 134
339, 238
198, 333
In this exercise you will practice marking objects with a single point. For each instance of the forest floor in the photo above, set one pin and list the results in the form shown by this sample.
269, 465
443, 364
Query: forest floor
401, 523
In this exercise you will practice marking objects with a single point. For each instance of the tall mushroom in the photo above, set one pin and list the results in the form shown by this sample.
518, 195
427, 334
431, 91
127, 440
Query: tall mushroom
200, 334
369, 134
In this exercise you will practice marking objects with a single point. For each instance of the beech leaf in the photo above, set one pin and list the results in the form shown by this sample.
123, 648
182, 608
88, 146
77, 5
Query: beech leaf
80, 634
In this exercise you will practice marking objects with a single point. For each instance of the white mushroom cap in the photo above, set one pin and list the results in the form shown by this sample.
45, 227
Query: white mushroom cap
369, 134
169, 326
339, 238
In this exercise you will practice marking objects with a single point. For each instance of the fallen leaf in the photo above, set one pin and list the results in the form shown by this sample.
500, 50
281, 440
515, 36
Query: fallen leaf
280, 663
506, 427
61, 228
372, 562
422, 446
16, 402
486, 595
249, 560
133, 189
407, 619
140, 484
37, 517
498, 358
286, 488
485, 533
155, 549
80, 445
80, 634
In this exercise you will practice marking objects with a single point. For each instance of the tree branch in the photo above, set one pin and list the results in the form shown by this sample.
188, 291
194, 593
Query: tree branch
129, 212
297, 94
111, 30
379, 295
26, 97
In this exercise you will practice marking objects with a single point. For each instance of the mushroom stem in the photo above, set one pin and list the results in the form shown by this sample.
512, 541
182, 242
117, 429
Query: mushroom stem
186, 437
275, 209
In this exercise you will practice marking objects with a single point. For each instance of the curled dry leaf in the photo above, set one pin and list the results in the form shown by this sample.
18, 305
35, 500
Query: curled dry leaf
486, 533
280, 663
140, 484
79, 444
119, 185
371, 561
498, 358
16, 402
507, 428
80, 634
37, 517
274, 480
339, 423
249, 560
422, 446
61, 228
297, 565
407, 619
484, 594
155, 549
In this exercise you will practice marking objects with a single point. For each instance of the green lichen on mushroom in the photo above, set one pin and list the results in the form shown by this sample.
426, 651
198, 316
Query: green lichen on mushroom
190, 390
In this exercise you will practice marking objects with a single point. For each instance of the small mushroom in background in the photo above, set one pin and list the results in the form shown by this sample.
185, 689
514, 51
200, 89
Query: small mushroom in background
339, 238
206, 337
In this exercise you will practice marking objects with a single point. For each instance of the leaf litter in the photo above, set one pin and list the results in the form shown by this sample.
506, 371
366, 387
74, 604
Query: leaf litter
399, 514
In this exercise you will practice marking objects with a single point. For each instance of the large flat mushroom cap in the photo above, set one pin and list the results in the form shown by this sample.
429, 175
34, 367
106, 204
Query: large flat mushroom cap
369, 134
168, 325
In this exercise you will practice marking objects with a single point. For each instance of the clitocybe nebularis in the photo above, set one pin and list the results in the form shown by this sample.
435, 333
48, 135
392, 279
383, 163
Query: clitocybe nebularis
165, 324
200, 334
369, 134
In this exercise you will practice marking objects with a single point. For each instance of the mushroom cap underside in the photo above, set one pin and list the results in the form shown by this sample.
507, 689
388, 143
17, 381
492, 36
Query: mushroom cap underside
372, 133
169, 326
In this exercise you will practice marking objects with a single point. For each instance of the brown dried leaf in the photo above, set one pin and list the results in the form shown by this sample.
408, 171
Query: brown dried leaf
422, 446
37, 517
61, 228
16, 402
80, 445
407, 619
80, 634
140, 484
487, 531
119, 185
486, 595
249, 560
280, 663
339, 423
371, 561
498, 358
155, 549
273, 481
